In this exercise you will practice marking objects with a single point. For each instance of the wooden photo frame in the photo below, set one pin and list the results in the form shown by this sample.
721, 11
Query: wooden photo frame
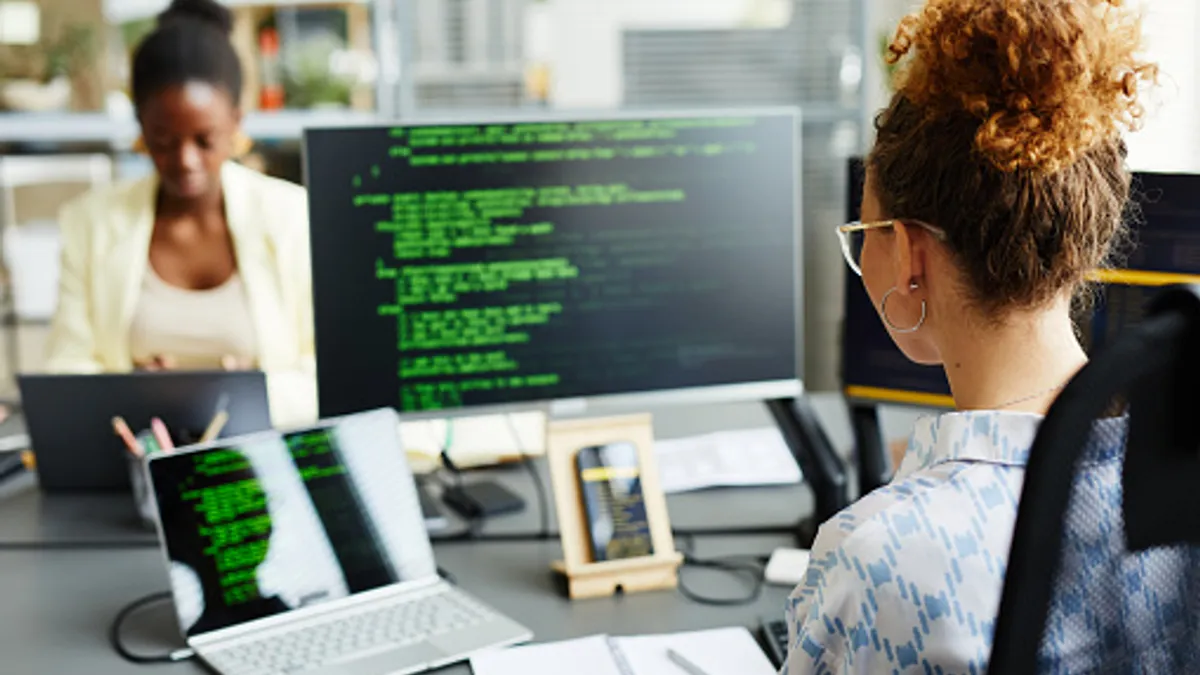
585, 578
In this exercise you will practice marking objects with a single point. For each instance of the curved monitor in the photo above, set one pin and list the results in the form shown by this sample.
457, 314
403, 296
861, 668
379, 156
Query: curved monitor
580, 261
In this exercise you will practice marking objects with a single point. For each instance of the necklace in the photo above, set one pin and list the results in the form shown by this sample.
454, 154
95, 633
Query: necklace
1030, 397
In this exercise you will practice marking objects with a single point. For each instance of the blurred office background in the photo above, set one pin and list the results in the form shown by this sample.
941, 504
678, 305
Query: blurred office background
67, 123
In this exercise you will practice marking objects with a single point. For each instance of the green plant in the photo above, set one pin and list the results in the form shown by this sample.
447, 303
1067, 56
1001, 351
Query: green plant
889, 69
308, 78
68, 53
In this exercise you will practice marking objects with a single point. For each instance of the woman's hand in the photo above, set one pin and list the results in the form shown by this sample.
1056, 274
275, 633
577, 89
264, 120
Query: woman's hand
164, 362
236, 363
158, 362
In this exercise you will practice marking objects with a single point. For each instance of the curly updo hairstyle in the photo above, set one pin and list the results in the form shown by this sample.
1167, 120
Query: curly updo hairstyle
1005, 130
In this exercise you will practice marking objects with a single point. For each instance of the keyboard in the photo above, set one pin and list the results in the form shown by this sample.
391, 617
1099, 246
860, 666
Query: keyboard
775, 635
374, 630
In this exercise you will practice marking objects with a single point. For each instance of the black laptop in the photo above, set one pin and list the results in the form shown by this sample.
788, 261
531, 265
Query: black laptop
69, 418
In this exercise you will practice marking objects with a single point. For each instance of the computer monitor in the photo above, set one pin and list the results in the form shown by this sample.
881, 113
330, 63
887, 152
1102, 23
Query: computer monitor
1166, 250
873, 368
555, 261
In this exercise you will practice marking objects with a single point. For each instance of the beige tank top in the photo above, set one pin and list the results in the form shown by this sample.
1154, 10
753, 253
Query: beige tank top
195, 328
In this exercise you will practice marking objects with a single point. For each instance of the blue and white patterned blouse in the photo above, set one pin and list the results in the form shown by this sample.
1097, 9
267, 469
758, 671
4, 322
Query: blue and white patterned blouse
908, 579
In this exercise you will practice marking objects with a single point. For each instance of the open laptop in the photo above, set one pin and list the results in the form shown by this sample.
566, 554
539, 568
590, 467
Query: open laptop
69, 418
305, 551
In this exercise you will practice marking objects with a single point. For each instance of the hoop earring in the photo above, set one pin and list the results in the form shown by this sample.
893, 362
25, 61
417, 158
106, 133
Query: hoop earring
139, 146
242, 145
894, 328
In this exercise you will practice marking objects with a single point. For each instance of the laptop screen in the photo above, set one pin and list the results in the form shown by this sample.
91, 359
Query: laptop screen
275, 522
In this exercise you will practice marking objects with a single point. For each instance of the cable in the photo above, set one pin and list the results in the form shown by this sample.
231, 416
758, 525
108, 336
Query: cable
538, 484
95, 545
114, 634
752, 571
752, 567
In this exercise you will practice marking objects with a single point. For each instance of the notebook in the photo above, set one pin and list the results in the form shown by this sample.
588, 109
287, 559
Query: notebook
723, 651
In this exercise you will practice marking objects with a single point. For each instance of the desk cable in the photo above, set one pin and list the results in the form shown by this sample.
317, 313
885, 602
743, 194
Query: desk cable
538, 485
751, 568
474, 530
114, 633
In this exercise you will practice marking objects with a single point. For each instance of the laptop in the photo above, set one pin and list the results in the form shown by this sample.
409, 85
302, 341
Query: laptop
305, 552
69, 418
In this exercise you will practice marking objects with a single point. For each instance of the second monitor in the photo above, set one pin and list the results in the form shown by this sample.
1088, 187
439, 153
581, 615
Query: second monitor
508, 264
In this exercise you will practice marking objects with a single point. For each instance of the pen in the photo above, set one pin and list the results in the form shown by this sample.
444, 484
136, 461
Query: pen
214, 427
218, 421
161, 435
687, 666
122, 430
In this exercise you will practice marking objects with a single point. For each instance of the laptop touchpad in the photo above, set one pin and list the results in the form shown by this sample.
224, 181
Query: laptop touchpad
400, 661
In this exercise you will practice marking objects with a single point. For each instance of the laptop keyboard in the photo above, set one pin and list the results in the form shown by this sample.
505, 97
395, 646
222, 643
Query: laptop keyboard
408, 621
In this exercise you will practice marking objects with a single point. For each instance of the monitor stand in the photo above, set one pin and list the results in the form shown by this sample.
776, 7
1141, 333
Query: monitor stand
872, 461
822, 468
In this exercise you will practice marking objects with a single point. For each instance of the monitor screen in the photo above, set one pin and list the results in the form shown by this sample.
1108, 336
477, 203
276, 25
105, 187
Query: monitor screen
873, 368
507, 264
1166, 250
276, 522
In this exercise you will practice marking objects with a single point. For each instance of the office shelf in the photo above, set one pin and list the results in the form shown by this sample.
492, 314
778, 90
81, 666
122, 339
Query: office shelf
121, 11
98, 128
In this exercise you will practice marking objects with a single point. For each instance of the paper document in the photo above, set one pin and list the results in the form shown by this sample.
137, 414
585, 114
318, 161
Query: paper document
726, 459
586, 656
474, 441
14, 442
724, 651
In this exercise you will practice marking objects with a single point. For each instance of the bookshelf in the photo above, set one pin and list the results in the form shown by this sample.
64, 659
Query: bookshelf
100, 129
123, 11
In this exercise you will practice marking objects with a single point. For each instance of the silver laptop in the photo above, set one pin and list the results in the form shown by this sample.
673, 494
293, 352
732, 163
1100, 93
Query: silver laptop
305, 551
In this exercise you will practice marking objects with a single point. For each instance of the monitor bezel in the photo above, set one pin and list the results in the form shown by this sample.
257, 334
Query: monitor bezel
626, 401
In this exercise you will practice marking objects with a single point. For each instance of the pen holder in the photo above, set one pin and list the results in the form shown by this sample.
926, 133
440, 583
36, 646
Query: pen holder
140, 481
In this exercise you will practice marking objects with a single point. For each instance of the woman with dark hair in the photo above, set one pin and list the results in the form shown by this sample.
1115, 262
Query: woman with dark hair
205, 264
997, 182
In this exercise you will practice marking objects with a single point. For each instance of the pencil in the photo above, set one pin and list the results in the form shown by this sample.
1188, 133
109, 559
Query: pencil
215, 427
122, 430
161, 435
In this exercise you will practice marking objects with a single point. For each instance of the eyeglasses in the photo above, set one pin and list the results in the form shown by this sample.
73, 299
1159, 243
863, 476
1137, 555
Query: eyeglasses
852, 235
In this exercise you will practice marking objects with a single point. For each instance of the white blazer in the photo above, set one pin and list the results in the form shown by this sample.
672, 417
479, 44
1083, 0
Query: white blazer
106, 252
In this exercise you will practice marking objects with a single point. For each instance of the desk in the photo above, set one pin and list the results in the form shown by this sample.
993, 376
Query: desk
55, 606
28, 516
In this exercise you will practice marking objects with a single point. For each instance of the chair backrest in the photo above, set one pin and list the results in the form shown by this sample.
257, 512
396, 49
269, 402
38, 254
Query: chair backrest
1113, 485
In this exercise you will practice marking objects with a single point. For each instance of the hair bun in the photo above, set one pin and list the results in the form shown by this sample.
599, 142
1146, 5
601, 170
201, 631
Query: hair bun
209, 12
1047, 79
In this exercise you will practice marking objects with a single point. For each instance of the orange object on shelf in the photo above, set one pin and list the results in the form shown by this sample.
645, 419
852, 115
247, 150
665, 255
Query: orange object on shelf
271, 94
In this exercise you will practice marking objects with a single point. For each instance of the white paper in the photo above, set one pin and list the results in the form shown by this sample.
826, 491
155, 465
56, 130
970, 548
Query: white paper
14, 442
586, 656
474, 441
726, 459
724, 651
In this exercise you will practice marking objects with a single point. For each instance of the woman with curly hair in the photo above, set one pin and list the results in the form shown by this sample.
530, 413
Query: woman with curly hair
996, 183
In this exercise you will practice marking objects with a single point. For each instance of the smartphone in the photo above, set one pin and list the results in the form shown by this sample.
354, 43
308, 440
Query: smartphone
611, 482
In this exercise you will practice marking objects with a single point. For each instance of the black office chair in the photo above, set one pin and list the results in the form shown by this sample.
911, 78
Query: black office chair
1113, 565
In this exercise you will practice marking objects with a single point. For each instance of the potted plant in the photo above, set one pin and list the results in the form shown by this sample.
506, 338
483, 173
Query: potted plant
51, 72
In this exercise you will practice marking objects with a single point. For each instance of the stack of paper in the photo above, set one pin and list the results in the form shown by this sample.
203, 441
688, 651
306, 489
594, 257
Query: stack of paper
724, 651
726, 459
474, 441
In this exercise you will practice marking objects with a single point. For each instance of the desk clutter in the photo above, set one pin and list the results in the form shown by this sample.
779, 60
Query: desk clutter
722, 651
739, 458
